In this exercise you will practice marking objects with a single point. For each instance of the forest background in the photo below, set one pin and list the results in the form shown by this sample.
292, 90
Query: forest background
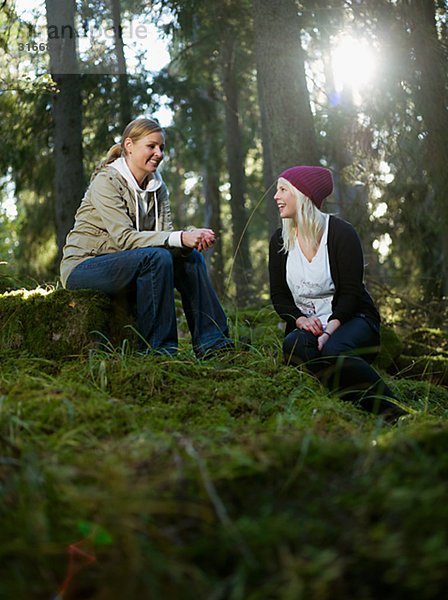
127, 476
248, 88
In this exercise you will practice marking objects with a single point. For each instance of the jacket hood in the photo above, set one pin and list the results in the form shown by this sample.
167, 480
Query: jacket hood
152, 186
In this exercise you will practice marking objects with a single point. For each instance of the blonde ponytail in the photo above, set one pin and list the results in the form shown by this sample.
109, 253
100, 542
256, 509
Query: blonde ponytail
113, 153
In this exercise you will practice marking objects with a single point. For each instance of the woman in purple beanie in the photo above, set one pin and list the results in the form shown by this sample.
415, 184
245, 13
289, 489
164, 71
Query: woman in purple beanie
316, 269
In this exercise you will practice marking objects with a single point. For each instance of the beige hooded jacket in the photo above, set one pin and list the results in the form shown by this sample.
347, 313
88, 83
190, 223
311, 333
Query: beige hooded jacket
116, 214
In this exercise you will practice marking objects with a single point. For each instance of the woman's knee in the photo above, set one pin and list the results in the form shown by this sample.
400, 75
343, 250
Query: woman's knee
159, 257
335, 348
289, 343
354, 338
296, 345
194, 258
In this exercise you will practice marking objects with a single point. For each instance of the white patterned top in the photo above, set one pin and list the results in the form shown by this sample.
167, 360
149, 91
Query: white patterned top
311, 284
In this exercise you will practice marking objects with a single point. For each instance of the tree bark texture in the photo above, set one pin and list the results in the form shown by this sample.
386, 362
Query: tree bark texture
287, 122
431, 96
235, 164
123, 85
67, 117
210, 178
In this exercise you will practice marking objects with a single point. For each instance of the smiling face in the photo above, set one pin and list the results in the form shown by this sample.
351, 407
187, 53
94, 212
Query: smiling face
144, 155
286, 201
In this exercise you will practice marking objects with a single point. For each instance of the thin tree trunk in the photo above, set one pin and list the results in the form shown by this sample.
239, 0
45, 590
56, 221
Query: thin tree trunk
214, 256
270, 207
67, 116
123, 84
211, 172
235, 164
287, 121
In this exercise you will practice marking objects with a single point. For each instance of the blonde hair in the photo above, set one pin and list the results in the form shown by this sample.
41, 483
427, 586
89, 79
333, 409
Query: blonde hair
135, 130
309, 220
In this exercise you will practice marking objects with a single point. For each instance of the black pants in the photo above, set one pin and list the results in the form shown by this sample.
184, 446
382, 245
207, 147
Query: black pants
343, 365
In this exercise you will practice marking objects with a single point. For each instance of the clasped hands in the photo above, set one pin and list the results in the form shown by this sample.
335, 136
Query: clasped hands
201, 239
314, 325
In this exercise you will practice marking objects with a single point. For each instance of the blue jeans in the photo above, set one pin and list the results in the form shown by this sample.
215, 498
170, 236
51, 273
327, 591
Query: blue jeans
155, 272
343, 365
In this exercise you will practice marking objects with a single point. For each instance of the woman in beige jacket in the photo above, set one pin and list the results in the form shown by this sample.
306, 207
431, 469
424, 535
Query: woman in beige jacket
123, 238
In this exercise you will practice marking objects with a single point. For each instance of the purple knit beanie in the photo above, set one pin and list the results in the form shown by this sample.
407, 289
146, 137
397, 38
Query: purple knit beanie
315, 182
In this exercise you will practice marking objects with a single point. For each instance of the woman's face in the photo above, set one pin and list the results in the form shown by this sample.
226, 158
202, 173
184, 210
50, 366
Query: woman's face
286, 201
145, 155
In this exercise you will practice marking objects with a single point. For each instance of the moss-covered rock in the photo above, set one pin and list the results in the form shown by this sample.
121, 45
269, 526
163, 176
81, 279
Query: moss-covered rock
53, 324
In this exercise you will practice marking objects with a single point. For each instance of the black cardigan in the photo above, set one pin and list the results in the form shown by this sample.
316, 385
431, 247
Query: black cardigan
347, 271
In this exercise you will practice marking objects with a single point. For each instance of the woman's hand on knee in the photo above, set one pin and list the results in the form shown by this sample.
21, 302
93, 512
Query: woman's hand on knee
201, 239
331, 327
312, 324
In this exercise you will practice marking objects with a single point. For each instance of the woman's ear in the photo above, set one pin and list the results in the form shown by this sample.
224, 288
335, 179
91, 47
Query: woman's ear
128, 143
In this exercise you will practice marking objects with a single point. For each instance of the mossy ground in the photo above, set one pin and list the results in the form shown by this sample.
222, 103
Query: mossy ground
145, 477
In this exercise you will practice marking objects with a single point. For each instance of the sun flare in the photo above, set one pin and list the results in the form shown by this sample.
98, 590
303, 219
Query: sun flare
354, 64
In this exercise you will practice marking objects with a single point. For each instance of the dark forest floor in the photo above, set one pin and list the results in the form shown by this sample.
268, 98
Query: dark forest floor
127, 477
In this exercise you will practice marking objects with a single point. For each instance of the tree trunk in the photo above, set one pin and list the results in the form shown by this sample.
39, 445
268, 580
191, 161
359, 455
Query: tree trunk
235, 164
67, 115
210, 178
123, 84
271, 210
430, 92
214, 256
287, 122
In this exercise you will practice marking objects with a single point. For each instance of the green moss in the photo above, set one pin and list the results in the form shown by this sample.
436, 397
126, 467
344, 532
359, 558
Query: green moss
426, 340
390, 349
421, 395
430, 368
236, 477
53, 324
